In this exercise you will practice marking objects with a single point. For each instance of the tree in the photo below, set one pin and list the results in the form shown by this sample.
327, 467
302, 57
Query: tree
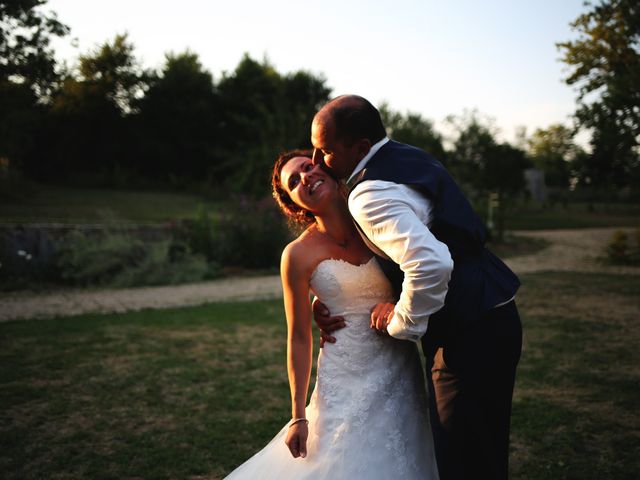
553, 150
179, 121
253, 130
111, 72
413, 129
503, 173
264, 113
605, 66
503, 170
20, 119
474, 138
304, 93
26, 56
87, 131
483, 162
27, 75
486, 165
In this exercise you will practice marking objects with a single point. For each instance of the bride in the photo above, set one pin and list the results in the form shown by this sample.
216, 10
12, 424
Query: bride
367, 417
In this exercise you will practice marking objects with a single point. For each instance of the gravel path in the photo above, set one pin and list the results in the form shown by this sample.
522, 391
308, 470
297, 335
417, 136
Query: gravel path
570, 250
578, 250
25, 305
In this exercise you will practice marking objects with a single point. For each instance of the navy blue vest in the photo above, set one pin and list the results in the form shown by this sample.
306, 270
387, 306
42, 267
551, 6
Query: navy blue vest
480, 280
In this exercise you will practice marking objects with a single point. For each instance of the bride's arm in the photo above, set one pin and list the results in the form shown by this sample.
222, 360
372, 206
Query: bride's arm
295, 285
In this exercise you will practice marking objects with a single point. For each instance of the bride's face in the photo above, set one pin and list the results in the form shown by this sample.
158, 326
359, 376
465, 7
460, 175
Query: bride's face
308, 185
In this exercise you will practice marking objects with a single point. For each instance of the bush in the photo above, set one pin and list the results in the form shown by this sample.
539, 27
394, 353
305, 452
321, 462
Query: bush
623, 250
247, 234
120, 260
27, 257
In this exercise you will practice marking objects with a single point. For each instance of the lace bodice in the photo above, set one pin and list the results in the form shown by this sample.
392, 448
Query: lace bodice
351, 290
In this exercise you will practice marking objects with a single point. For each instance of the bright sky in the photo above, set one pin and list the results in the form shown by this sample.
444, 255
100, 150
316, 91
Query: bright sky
428, 56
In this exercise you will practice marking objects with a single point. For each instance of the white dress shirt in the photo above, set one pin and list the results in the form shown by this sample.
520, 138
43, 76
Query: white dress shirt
395, 218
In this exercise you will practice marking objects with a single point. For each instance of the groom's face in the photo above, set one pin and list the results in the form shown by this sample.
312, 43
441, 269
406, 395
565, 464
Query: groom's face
340, 158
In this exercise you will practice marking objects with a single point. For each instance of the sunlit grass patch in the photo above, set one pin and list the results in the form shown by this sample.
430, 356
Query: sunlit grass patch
154, 394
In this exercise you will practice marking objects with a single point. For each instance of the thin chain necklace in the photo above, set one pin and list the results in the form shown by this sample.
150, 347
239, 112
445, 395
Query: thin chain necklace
342, 244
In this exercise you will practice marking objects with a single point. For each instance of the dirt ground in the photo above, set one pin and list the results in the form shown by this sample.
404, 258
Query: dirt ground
569, 250
579, 250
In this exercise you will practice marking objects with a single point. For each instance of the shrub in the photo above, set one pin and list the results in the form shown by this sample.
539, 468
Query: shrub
246, 234
622, 250
27, 257
200, 235
120, 260
158, 268
253, 235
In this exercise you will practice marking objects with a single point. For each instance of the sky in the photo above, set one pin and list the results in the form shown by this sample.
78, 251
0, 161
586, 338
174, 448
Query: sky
436, 58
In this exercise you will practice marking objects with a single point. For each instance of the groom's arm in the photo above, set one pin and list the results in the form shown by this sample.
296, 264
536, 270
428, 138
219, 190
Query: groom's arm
394, 218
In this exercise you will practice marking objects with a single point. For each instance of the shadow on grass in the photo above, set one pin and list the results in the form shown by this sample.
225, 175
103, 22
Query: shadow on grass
574, 414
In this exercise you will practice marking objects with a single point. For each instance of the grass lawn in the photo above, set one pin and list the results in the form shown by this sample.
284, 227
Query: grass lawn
516, 245
578, 387
574, 215
91, 205
191, 393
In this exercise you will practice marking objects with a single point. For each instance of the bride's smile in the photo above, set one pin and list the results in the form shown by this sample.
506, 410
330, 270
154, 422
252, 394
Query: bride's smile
304, 182
315, 185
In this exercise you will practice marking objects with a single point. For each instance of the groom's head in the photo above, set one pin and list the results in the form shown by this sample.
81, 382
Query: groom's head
343, 132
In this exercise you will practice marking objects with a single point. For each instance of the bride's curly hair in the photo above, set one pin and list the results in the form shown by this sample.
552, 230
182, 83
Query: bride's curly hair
299, 218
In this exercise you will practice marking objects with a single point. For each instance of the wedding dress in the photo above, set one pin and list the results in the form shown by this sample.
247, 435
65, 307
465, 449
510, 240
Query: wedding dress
367, 413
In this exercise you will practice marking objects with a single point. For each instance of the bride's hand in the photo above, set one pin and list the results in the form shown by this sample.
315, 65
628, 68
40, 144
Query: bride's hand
297, 439
381, 315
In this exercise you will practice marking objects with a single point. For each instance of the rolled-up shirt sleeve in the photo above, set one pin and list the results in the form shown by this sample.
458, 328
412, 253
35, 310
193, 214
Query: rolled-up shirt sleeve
394, 218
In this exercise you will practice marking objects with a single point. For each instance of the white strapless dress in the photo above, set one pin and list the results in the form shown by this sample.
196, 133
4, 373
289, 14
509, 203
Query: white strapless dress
368, 412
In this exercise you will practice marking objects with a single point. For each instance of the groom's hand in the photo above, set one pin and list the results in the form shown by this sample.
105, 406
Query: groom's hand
381, 315
326, 323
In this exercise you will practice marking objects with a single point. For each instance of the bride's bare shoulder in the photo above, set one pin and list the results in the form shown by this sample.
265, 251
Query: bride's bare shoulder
303, 252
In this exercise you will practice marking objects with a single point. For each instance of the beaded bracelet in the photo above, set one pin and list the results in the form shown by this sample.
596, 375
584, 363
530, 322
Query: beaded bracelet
298, 420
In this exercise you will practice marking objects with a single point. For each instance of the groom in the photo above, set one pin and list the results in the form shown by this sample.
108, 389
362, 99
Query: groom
455, 295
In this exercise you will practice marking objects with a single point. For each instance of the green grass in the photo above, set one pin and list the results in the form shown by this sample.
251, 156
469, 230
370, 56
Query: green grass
578, 388
574, 215
193, 392
85, 205
516, 245
156, 394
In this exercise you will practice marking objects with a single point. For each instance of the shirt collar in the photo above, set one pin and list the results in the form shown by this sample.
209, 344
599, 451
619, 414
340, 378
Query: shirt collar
372, 151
